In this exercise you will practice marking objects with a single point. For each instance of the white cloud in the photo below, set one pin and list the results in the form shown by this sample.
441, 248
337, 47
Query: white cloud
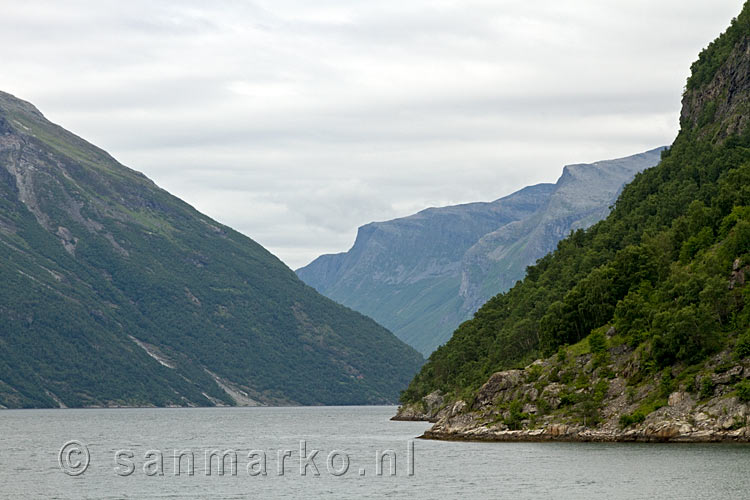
298, 121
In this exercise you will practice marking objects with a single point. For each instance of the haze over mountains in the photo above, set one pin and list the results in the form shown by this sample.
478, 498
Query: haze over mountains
422, 275
116, 293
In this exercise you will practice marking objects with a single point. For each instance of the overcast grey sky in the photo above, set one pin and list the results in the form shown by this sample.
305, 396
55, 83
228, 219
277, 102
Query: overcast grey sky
296, 121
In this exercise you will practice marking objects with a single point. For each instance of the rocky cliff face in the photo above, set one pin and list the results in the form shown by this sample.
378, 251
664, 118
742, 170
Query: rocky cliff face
716, 99
421, 276
426, 245
115, 293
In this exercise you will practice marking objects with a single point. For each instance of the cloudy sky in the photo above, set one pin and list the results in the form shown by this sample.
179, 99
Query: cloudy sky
297, 121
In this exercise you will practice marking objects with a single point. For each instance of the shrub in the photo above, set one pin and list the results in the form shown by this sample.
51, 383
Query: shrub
743, 390
629, 419
570, 398
598, 342
515, 416
667, 383
567, 376
589, 412
742, 349
542, 406
600, 390
533, 373
601, 359
707, 387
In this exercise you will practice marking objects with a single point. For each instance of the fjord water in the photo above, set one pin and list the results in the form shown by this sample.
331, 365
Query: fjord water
30, 441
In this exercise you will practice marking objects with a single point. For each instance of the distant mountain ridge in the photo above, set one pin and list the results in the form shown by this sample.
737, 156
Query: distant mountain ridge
116, 293
581, 197
422, 275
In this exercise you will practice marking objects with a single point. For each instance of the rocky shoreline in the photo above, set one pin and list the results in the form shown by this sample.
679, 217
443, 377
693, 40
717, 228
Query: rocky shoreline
665, 432
597, 398
454, 424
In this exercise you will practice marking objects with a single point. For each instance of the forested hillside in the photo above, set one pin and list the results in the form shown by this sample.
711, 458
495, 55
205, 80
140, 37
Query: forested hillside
666, 268
114, 292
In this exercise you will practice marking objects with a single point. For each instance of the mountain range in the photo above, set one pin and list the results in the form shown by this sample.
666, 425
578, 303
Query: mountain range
116, 293
423, 275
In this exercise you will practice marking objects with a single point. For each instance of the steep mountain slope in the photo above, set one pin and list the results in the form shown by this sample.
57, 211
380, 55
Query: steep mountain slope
647, 310
422, 275
582, 196
114, 292
406, 272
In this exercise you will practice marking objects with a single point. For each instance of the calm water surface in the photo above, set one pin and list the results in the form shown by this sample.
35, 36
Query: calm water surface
30, 443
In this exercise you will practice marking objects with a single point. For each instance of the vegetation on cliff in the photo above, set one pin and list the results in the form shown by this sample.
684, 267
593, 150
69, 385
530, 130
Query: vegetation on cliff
665, 269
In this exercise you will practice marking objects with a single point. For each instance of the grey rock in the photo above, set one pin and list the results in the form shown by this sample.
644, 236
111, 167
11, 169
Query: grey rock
730, 376
430, 409
498, 382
